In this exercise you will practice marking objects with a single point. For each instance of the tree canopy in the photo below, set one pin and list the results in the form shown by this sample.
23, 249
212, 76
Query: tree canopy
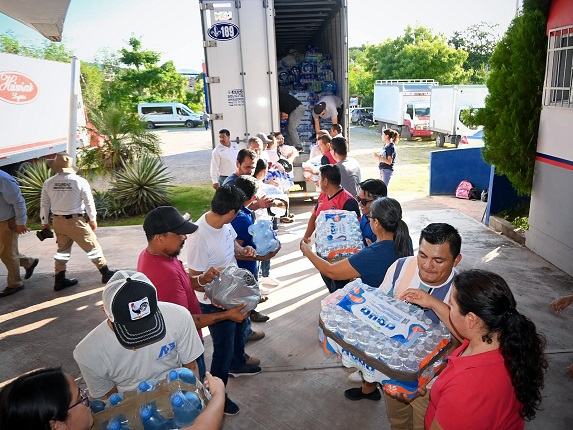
512, 109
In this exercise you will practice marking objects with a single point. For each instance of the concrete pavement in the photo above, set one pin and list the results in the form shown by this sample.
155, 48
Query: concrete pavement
300, 386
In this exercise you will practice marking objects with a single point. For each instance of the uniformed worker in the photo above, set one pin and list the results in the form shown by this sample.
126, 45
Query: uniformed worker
69, 196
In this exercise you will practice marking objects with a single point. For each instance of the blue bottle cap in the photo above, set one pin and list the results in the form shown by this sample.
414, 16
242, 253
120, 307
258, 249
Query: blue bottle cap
145, 413
114, 425
144, 386
115, 398
177, 400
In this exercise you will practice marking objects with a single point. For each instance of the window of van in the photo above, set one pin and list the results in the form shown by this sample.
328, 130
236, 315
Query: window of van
157, 110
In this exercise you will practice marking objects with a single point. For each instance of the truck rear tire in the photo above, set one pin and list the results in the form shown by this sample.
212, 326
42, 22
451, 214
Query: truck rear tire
440, 139
150, 125
406, 133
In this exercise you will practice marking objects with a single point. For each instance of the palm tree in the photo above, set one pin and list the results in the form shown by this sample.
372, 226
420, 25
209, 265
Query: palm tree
123, 139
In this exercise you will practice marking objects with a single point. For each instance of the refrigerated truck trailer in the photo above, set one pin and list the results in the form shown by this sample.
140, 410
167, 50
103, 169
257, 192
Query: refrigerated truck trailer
446, 107
35, 104
403, 105
243, 41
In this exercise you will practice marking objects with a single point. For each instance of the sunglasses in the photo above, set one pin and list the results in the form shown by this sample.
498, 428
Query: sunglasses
83, 399
362, 201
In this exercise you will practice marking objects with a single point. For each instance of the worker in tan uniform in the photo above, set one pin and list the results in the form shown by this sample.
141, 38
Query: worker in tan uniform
69, 197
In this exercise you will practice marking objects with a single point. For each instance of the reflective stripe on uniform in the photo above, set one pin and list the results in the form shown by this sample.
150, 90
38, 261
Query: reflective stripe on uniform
95, 253
62, 256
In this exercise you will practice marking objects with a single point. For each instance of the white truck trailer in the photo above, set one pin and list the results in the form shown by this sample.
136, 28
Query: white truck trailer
35, 117
243, 42
447, 104
403, 105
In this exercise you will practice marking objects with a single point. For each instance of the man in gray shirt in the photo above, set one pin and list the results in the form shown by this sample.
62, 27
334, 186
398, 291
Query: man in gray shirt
327, 107
349, 167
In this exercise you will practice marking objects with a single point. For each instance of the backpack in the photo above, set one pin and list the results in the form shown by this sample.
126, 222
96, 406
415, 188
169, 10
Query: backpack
475, 193
463, 190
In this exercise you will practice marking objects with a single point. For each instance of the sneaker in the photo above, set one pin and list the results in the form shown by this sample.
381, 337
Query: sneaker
259, 317
264, 291
231, 407
257, 335
357, 394
245, 370
286, 219
270, 282
252, 361
356, 377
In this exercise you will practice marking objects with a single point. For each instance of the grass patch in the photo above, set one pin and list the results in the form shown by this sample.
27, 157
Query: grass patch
195, 199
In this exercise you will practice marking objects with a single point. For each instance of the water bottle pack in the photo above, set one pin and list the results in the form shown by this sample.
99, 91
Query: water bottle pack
234, 287
170, 403
338, 234
310, 170
391, 342
313, 71
264, 237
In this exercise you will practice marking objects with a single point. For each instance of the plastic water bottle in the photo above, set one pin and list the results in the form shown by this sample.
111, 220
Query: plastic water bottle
97, 405
394, 362
186, 407
386, 351
148, 385
152, 419
115, 399
411, 364
118, 422
184, 374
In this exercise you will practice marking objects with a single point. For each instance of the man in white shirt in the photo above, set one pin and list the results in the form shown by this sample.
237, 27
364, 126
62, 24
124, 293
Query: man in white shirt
223, 159
214, 245
69, 197
141, 338
431, 270
326, 108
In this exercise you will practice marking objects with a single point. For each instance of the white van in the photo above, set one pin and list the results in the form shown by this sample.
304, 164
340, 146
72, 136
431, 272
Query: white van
155, 114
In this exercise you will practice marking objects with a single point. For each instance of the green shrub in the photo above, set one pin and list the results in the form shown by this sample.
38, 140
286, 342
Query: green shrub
107, 206
142, 185
31, 180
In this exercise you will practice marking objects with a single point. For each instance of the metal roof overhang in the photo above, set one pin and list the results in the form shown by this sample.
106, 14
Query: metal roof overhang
45, 16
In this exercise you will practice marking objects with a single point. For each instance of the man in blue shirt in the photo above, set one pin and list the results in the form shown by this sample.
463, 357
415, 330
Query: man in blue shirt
13, 220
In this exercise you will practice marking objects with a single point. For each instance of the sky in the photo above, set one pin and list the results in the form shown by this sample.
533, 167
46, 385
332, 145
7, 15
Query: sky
173, 27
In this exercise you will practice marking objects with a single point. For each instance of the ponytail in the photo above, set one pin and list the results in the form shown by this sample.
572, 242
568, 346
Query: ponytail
402, 241
522, 349
389, 213
487, 295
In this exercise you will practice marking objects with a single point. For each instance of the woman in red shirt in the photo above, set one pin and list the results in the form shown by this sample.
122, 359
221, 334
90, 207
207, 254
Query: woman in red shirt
494, 380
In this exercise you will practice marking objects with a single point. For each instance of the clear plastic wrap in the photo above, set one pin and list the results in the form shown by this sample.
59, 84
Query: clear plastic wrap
234, 287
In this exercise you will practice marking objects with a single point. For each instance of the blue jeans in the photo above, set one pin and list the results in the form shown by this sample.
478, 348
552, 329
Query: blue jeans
385, 175
228, 344
265, 268
201, 365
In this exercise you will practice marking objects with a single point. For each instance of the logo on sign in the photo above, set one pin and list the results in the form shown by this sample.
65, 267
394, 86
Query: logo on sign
223, 31
17, 88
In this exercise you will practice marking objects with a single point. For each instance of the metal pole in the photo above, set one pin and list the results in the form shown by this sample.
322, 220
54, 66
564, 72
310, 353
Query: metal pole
73, 123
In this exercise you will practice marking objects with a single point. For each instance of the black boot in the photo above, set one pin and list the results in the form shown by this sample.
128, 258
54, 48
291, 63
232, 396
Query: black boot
62, 282
106, 274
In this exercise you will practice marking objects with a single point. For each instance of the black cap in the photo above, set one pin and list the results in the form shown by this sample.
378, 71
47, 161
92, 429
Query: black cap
167, 219
319, 108
130, 303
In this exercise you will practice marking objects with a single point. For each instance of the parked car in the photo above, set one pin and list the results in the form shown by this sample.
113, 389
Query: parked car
472, 141
156, 114
357, 113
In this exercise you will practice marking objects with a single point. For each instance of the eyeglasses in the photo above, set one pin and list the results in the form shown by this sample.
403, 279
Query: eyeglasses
362, 201
83, 399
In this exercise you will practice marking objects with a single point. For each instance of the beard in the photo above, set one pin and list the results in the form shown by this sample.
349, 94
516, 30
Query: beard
176, 253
